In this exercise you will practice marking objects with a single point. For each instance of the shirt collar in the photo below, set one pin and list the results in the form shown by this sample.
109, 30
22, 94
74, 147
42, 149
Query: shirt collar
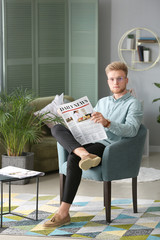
124, 97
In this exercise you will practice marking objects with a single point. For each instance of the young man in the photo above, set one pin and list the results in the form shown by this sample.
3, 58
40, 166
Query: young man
121, 116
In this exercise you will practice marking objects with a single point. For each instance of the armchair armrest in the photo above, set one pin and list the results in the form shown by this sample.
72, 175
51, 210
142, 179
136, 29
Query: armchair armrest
62, 156
123, 158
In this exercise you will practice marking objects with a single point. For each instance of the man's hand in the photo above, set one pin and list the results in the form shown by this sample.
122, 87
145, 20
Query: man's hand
59, 112
98, 117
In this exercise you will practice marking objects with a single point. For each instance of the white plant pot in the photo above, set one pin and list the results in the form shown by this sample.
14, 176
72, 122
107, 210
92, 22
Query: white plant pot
130, 43
146, 55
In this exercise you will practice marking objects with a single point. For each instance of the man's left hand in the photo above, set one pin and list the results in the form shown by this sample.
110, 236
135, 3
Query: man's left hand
98, 117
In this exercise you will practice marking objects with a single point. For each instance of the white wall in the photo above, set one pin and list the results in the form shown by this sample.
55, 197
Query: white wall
126, 15
104, 42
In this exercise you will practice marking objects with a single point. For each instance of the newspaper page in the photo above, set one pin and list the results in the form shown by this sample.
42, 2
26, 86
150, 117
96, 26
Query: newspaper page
17, 172
77, 116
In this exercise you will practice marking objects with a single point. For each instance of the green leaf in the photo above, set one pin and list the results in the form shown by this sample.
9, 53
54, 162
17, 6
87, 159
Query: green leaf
157, 85
158, 119
156, 99
18, 124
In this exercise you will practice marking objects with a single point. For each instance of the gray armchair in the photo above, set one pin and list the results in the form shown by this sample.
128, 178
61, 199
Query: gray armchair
120, 160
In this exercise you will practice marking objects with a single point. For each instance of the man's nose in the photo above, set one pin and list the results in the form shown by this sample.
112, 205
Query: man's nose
115, 81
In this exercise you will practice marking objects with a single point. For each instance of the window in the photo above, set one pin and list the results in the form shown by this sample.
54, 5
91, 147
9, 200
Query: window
50, 46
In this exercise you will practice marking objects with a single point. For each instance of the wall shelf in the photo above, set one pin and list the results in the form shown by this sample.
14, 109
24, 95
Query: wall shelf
143, 39
147, 41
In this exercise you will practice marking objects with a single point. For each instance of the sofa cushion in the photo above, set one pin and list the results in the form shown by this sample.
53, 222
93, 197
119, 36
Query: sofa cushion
49, 112
47, 148
41, 102
45, 152
45, 155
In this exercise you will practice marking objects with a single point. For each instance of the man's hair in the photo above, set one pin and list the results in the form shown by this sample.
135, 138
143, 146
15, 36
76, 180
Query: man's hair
115, 66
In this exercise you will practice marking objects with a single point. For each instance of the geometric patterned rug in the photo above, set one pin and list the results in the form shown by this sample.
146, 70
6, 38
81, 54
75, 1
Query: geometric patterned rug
87, 218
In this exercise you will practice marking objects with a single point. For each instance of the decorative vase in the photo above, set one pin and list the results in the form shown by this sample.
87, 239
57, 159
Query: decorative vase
146, 55
26, 161
130, 43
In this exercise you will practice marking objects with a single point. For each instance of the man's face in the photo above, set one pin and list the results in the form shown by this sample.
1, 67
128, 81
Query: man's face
117, 82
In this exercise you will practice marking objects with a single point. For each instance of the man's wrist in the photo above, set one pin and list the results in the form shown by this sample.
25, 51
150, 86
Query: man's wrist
108, 123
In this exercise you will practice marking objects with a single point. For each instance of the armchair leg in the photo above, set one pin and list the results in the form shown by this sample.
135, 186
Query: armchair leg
62, 182
107, 200
134, 194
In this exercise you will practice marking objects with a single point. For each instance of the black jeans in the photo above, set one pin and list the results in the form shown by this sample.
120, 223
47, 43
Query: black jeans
74, 173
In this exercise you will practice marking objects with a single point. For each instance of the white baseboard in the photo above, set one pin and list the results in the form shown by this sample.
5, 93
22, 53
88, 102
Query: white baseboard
148, 148
154, 148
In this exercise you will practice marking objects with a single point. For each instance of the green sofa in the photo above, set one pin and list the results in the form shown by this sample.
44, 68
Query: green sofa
45, 152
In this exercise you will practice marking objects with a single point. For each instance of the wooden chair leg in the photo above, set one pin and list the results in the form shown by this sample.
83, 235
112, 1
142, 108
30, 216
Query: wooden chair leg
107, 200
134, 194
62, 182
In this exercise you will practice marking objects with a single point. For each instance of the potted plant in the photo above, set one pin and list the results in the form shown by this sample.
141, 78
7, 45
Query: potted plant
19, 126
130, 41
157, 99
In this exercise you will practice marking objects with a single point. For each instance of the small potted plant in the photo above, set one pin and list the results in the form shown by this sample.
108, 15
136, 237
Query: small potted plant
19, 126
157, 99
130, 41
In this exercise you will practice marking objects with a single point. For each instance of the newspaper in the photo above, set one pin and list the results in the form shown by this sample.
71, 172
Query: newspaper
16, 172
77, 116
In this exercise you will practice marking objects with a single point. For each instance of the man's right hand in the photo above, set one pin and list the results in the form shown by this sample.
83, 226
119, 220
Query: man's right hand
59, 112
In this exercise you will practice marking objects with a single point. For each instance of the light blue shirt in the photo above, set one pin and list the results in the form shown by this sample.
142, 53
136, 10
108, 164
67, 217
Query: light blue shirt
125, 114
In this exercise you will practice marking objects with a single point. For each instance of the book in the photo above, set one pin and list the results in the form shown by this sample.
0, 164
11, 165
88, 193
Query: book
140, 52
19, 173
147, 40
